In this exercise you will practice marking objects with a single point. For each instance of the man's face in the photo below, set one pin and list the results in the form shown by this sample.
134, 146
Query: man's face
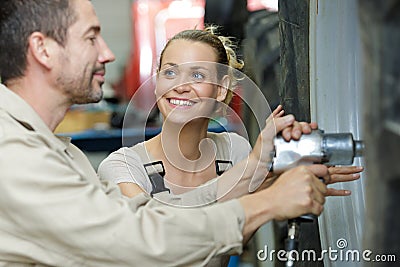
82, 60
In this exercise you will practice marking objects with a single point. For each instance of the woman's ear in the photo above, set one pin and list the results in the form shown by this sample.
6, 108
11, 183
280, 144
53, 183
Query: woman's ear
223, 88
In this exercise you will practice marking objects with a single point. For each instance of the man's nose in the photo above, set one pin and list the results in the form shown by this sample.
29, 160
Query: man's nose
105, 53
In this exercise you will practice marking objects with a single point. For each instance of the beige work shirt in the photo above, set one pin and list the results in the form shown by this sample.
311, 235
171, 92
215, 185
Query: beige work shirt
55, 211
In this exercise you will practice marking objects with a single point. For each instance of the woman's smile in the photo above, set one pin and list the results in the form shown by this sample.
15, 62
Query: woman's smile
180, 102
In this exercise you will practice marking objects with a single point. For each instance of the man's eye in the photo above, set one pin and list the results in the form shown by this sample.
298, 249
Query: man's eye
93, 39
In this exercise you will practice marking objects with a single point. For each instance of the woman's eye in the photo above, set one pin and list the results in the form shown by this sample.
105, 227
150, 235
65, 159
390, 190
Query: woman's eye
169, 73
198, 76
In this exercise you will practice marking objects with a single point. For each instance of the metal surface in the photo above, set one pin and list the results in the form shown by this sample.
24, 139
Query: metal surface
336, 104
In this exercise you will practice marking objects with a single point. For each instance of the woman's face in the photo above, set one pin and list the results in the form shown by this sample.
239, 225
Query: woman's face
187, 82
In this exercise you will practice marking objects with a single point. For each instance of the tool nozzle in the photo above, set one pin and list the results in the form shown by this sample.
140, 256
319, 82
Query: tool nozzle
359, 148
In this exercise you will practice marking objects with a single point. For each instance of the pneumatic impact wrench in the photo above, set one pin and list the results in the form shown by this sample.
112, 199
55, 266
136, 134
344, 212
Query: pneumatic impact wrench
314, 148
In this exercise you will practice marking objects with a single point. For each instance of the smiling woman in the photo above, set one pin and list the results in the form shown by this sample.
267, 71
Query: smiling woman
190, 87
183, 164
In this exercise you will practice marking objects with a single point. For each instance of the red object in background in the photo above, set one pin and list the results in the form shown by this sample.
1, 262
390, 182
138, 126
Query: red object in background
153, 23
254, 5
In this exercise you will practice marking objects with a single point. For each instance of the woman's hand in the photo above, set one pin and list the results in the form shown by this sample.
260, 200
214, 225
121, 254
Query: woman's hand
275, 123
263, 150
342, 174
297, 129
337, 174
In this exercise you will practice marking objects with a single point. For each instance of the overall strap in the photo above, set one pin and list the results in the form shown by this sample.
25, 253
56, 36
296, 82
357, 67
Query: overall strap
222, 165
156, 172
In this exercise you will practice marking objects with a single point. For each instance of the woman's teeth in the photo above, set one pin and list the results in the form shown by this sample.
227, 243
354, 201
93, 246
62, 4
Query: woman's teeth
178, 102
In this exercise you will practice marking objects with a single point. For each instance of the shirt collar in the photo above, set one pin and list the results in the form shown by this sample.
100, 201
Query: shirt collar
22, 112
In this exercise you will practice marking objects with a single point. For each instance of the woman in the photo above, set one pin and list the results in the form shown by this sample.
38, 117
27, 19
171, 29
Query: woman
190, 89
193, 83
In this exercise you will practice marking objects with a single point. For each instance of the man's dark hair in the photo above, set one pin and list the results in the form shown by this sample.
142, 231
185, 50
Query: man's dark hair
19, 19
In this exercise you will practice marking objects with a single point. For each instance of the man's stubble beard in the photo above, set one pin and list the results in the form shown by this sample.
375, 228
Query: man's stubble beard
82, 90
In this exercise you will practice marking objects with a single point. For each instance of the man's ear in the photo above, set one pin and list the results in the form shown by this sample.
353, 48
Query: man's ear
41, 48
223, 88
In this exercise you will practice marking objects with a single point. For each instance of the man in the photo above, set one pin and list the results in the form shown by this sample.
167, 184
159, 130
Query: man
53, 209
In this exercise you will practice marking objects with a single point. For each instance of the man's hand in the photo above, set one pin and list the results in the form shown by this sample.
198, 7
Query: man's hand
299, 191
296, 192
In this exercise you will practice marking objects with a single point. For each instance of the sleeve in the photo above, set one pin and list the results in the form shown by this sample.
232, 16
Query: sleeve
240, 147
124, 166
49, 209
